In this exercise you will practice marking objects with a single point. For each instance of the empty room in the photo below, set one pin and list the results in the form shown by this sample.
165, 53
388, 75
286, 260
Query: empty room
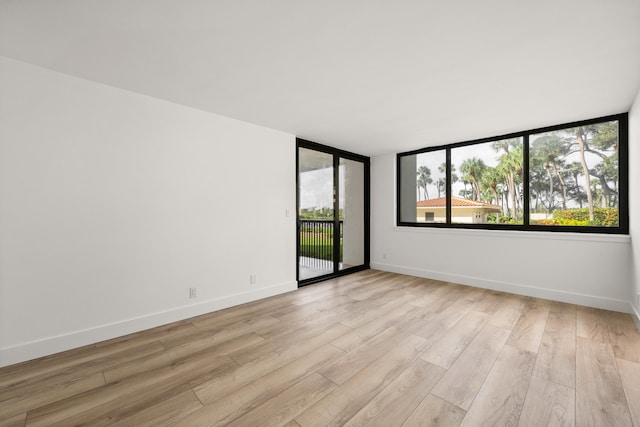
299, 213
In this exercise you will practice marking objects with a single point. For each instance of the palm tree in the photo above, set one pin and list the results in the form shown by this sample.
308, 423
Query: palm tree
465, 193
510, 169
490, 180
443, 170
442, 182
424, 179
441, 185
473, 169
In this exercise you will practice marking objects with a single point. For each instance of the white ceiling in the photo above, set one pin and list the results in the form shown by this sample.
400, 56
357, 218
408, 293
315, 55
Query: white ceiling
369, 76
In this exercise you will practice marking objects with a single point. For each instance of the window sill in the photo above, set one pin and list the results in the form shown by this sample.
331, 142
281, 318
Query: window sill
519, 234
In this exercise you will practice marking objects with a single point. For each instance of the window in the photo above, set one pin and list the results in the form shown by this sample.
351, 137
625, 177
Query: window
487, 185
570, 177
427, 196
574, 176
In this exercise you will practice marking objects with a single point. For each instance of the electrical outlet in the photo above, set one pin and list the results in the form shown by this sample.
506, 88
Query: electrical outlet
252, 279
193, 293
384, 255
638, 298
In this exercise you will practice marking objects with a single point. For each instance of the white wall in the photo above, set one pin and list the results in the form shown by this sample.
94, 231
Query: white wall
591, 270
113, 204
634, 203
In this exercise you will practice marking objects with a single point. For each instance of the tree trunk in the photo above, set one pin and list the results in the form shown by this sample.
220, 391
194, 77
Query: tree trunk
474, 189
512, 193
585, 172
606, 194
506, 202
538, 191
550, 196
575, 177
562, 186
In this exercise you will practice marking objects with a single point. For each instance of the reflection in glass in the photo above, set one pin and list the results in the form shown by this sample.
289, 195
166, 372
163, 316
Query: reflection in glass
351, 214
431, 186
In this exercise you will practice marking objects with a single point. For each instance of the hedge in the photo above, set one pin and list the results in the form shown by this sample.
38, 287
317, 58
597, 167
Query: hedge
607, 217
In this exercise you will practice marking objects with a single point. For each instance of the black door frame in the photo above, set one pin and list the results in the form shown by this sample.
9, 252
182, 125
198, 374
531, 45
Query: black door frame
337, 154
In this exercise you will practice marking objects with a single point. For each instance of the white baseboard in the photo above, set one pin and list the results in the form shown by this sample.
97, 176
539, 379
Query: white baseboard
55, 344
545, 293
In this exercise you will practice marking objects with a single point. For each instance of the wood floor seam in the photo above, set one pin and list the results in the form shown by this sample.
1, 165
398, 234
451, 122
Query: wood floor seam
371, 348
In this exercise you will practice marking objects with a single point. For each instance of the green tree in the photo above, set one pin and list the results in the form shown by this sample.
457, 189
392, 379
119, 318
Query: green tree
442, 181
510, 169
464, 193
441, 185
581, 134
424, 179
547, 152
605, 140
472, 170
604, 137
574, 169
490, 180
607, 171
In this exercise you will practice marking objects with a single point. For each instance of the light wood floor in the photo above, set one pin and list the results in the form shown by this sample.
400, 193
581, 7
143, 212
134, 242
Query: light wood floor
370, 348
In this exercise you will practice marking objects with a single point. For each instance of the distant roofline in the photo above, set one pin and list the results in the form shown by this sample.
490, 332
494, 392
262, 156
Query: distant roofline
457, 202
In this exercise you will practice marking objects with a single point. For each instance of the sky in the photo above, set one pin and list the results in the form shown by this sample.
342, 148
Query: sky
434, 159
316, 188
484, 152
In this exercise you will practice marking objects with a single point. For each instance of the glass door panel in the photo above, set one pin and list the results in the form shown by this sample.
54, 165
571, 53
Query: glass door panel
333, 212
315, 213
351, 192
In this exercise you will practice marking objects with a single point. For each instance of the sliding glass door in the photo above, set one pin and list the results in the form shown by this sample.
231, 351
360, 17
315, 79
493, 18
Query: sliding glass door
316, 214
351, 180
333, 212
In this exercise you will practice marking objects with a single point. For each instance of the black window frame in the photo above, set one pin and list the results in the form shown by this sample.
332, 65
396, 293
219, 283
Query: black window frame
623, 184
337, 154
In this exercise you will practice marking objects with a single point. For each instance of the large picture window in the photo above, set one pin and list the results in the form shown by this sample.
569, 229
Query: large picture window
569, 177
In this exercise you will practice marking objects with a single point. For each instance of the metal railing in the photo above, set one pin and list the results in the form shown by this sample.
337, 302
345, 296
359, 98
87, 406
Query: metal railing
317, 241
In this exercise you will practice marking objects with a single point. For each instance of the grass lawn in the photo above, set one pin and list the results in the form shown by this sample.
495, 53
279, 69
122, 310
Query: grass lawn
321, 248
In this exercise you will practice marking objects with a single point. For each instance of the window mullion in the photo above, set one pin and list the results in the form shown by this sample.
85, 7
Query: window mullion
525, 180
448, 187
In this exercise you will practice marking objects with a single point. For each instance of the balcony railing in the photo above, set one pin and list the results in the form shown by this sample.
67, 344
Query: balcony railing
316, 241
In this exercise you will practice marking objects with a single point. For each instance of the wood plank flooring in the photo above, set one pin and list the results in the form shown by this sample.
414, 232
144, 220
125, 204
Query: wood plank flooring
371, 348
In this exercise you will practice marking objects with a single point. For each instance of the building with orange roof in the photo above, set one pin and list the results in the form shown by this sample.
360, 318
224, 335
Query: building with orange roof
462, 210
